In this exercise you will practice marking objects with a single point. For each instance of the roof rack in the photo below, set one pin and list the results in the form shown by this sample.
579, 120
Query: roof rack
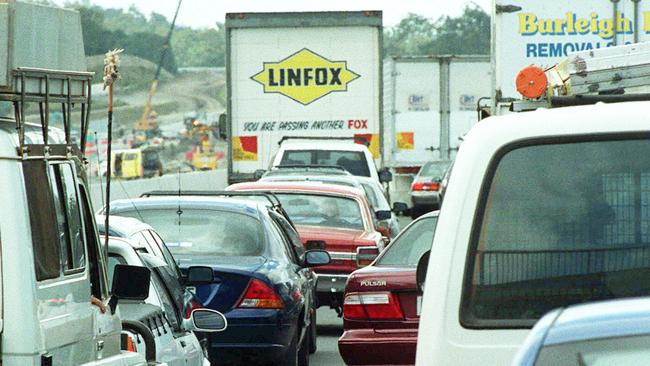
271, 197
309, 166
45, 87
357, 139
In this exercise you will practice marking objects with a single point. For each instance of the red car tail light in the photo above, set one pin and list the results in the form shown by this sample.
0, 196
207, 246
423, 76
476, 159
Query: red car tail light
371, 305
420, 186
259, 295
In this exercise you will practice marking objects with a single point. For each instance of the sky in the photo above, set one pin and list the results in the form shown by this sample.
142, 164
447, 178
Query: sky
205, 13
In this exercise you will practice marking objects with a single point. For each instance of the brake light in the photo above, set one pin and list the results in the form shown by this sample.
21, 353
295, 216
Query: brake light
259, 295
371, 305
193, 305
422, 186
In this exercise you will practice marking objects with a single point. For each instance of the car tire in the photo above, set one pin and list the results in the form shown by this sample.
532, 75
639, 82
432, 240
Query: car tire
313, 346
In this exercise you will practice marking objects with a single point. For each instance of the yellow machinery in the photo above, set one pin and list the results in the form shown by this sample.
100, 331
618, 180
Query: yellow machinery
127, 164
204, 156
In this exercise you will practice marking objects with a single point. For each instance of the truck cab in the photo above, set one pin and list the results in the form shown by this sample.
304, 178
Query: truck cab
543, 209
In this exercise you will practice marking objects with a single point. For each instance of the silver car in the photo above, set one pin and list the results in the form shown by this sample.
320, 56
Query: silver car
426, 187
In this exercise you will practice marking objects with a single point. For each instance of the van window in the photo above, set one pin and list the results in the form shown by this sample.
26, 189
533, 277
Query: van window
559, 224
66, 203
47, 250
353, 161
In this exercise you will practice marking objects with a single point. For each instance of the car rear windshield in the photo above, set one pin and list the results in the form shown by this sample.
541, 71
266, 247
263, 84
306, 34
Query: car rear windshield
559, 224
408, 248
204, 232
320, 210
434, 170
353, 161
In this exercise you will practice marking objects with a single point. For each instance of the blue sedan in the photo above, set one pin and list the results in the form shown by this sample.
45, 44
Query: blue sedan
262, 280
613, 332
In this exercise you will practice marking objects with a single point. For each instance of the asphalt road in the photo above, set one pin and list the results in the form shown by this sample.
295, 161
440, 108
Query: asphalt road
330, 328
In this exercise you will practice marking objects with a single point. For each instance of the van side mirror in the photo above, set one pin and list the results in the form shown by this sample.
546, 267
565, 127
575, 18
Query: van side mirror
383, 215
400, 207
129, 283
205, 320
199, 275
421, 272
385, 176
315, 258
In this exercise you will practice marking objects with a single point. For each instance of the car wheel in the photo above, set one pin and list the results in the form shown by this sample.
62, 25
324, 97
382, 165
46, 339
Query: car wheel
313, 334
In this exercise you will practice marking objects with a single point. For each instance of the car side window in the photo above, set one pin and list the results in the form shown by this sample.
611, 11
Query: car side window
278, 241
98, 280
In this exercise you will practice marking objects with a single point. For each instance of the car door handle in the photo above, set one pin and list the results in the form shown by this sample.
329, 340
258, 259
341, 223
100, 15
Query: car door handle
100, 345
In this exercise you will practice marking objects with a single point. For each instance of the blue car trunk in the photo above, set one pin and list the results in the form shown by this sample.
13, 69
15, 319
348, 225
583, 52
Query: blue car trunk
231, 277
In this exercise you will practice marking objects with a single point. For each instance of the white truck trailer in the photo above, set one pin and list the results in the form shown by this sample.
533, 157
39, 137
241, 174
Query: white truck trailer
430, 102
301, 75
532, 32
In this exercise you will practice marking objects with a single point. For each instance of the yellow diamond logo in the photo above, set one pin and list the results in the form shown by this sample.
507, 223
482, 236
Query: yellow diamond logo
305, 76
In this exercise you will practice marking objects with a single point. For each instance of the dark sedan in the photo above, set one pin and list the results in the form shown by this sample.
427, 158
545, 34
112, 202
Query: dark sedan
381, 308
262, 280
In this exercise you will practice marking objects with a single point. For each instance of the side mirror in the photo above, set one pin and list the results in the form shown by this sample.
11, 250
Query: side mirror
206, 320
383, 215
385, 176
400, 207
315, 258
366, 255
259, 173
198, 275
129, 283
421, 272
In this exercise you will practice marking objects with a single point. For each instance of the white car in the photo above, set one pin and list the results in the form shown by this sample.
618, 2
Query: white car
543, 210
355, 158
176, 343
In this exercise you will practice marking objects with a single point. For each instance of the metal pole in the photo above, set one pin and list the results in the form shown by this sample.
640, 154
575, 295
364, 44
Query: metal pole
444, 108
108, 163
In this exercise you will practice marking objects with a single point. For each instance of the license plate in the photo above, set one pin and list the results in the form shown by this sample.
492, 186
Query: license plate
418, 305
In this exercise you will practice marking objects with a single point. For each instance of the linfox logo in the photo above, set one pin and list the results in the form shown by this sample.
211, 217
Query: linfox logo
305, 76
373, 283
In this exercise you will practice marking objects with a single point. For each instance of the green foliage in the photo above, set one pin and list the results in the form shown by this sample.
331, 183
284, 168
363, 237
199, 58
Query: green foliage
417, 35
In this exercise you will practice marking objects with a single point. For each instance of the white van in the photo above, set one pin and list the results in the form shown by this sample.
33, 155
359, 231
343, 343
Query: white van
543, 209
353, 157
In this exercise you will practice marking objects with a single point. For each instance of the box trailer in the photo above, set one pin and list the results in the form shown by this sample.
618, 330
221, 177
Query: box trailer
430, 102
300, 74
532, 32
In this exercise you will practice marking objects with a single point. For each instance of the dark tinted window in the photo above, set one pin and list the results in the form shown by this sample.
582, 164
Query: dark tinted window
560, 224
408, 248
47, 250
353, 161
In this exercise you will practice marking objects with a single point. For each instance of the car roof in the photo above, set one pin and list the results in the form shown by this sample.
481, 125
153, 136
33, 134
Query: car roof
324, 145
121, 226
603, 319
336, 179
115, 243
308, 187
239, 205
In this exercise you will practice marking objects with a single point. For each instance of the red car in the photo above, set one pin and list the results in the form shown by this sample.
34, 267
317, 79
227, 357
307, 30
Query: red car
335, 218
381, 303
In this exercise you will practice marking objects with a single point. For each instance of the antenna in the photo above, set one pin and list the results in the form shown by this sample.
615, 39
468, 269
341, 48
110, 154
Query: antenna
111, 74
179, 212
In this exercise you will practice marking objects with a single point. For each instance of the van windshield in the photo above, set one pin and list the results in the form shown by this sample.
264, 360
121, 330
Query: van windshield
561, 224
353, 161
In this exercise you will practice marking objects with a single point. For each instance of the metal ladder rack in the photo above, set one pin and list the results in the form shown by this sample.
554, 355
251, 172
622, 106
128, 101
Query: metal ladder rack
43, 87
